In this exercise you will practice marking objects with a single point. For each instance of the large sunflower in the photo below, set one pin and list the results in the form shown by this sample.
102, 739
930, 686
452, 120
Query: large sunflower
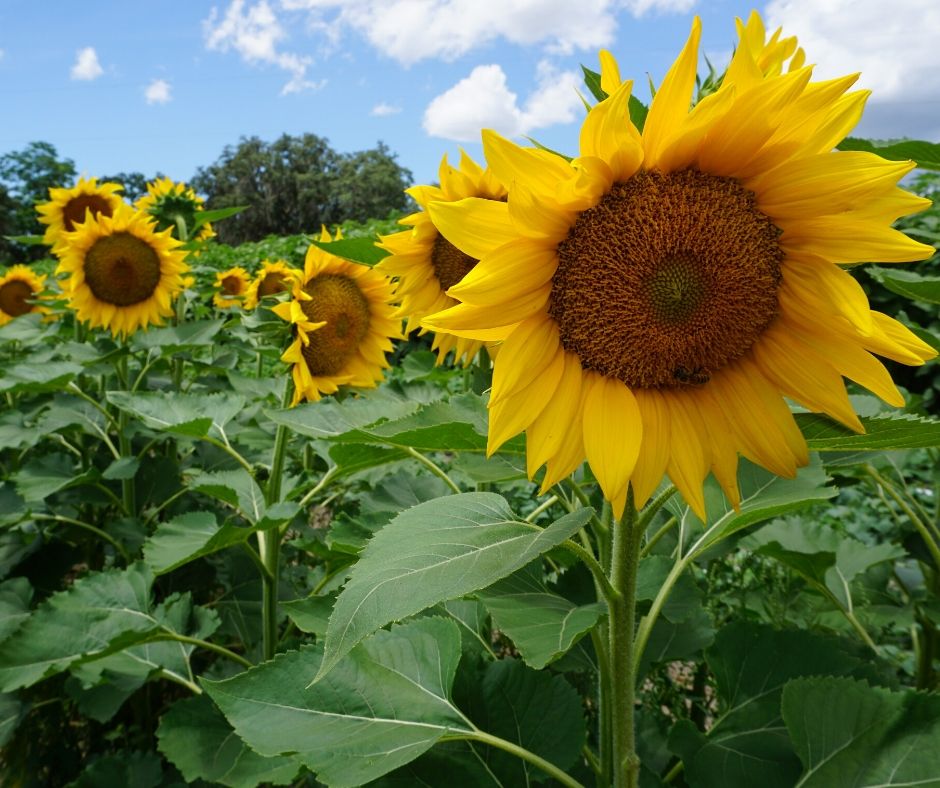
171, 204
231, 287
68, 208
426, 264
343, 324
659, 296
123, 273
273, 278
19, 286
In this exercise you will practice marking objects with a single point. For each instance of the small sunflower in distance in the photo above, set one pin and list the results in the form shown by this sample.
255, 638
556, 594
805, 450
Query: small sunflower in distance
122, 273
426, 264
660, 296
273, 278
18, 287
231, 287
68, 208
170, 203
343, 326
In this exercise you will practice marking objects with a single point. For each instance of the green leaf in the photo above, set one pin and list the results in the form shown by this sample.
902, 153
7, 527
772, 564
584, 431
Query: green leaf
15, 597
217, 215
196, 333
541, 624
12, 710
188, 537
46, 475
384, 704
123, 468
236, 488
100, 693
638, 113
350, 459
850, 735
196, 738
35, 378
926, 154
311, 614
592, 79
536, 710
439, 550
908, 283
359, 250
139, 769
684, 600
26, 240
193, 415
883, 432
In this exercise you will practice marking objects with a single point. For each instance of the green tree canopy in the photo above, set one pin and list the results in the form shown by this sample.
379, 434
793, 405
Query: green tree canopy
295, 184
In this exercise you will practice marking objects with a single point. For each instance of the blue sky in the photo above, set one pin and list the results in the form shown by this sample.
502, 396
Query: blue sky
166, 85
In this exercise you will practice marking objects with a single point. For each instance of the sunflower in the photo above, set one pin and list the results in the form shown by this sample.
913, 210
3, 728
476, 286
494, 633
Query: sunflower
660, 296
343, 324
426, 264
18, 287
273, 278
123, 273
325, 236
231, 287
172, 204
67, 208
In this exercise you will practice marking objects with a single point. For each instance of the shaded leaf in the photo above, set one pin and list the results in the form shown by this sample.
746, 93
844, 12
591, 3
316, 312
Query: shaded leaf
236, 488
192, 415
192, 333
188, 537
886, 431
359, 250
139, 769
50, 376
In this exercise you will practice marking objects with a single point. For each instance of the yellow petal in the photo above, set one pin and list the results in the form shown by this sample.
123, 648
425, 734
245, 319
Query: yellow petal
688, 459
610, 72
513, 414
654, 449
526, 352
609, 134
536, 170
491, 322
613, 431
547, 431
474, 225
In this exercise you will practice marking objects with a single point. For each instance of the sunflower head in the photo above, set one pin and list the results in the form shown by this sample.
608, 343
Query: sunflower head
343, 325
659, 297
123, 273
325, 236
231, 287
426, 264
173, 205
20, 287
68, 208
273, 277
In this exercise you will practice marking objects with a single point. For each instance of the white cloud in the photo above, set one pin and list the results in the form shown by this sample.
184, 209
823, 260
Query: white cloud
382, 109
86, 65
484, 100
894, 46
158, 92
255, 33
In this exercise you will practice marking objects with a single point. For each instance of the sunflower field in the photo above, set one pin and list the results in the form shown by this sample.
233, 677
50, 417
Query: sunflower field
605, 469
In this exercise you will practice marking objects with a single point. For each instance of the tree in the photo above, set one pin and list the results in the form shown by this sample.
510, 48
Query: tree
295, 184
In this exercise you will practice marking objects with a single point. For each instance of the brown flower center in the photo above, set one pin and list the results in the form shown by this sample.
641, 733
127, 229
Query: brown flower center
121, 269
449, 263
272, 283
74, 211
337, 300
232, 285
14, 297
667, 279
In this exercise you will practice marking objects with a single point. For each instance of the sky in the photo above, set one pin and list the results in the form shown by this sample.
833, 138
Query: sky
166, 85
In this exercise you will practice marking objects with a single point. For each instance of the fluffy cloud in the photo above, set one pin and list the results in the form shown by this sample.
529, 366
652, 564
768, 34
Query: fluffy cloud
894, 48
382, 109
484, 100
255, 33
86, 65
157, 92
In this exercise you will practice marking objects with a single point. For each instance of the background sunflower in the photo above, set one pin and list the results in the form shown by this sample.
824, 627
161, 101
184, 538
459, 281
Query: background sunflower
68, 207
172, 204
231, 287
18, 286
272, 278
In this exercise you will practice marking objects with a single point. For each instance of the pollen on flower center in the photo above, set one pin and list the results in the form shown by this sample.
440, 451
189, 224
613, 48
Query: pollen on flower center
121, 269
449, 263
667, 279
13, 298
339, 302
74, 211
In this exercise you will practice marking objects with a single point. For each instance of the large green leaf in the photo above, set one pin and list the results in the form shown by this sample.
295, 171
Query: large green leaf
748, 744
851, 735
12, 710
192, 333
193, 415
908, 284
884, 432
49, 376
137, 769
236, 488
386, 702
439, 550
15, 596
197, 739
45, 475
359, 250
926, 154
542, 625
188, 537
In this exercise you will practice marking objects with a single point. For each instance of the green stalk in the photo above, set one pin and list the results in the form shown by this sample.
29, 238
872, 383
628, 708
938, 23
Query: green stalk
269, 541
520, 752
625, 559
124, 442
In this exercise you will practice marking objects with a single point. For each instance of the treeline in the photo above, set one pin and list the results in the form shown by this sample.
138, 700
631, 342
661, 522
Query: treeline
291, 185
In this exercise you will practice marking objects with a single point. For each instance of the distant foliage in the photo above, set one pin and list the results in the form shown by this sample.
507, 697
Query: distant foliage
295, 184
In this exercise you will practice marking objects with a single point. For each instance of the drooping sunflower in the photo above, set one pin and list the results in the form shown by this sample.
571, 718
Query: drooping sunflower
659, 296
231, 287
68, 208
123, 272
272, 278
19, 286
343, 322
169, 203
426, 264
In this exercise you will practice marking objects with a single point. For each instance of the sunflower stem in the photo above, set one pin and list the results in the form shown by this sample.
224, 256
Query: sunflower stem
625, 559
269, 541
124, 441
